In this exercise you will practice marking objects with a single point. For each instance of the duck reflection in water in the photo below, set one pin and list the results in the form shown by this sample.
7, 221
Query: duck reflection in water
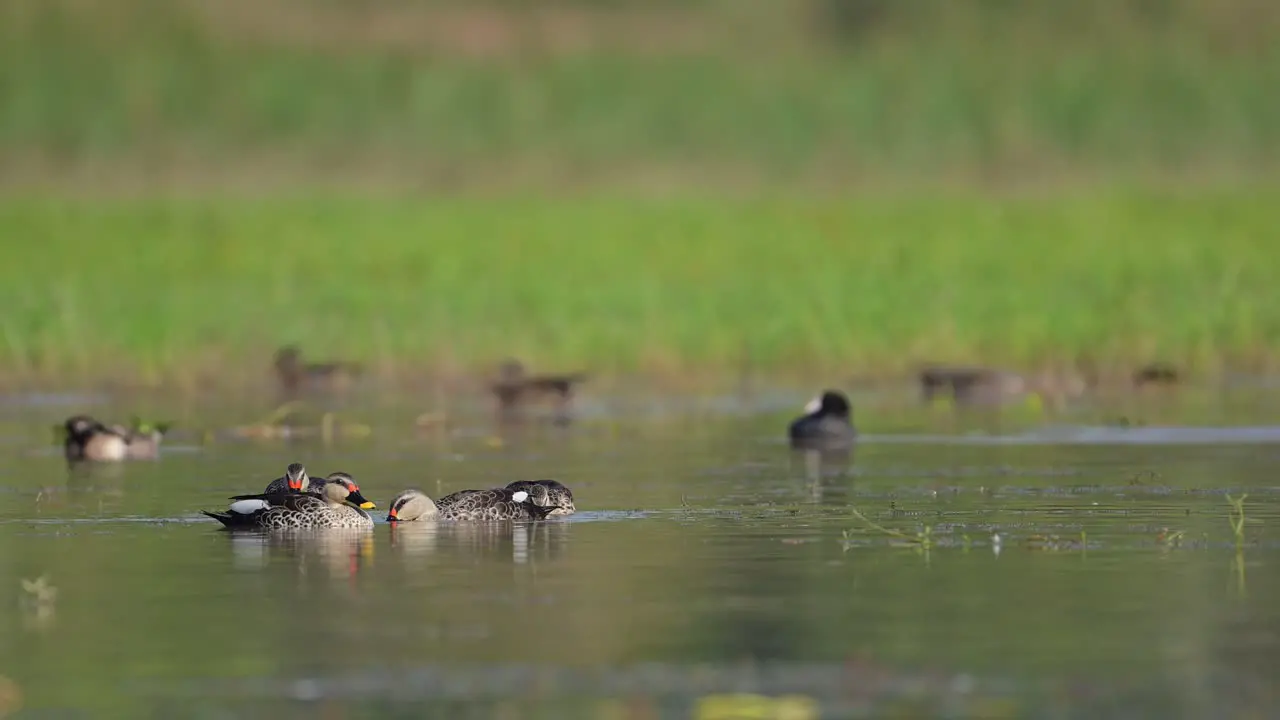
336, 553
518, 541
90, 485
827, 473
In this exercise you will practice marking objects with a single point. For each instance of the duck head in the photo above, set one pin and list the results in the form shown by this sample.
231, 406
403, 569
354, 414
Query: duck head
351, 489
411, 505
296, 477
547, 493
830, 402
81, 427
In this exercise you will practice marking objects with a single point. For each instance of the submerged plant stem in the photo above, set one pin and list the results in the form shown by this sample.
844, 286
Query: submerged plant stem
1235, 516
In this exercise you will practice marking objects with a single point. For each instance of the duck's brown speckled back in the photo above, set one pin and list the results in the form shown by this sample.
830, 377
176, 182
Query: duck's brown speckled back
547, 493
494, 504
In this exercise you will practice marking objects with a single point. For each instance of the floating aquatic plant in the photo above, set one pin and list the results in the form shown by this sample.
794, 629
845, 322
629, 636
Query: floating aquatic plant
145, 426
38, 601
273, 426
1235, 516
923, 538
1171, 539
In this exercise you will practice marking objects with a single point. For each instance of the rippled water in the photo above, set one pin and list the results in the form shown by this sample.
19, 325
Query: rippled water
1072, 570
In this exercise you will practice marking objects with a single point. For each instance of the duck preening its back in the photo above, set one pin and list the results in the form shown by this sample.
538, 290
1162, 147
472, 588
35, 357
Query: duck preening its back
467, 505
547, 493
827, 422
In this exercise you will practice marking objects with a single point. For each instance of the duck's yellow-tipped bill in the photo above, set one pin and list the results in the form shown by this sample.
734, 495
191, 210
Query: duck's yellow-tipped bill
367, 505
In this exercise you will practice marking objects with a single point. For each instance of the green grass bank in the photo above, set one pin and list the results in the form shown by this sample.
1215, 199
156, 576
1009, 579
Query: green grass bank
145, 94
150, 287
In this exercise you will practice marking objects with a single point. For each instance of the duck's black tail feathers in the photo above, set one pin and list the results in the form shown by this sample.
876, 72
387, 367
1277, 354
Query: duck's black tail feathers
224, 518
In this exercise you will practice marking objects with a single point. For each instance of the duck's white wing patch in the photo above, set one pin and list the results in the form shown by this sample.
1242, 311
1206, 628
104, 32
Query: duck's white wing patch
813, 405
248, 507
519, 496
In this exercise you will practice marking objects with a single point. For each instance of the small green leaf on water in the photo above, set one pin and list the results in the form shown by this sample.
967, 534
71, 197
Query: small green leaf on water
1035, 402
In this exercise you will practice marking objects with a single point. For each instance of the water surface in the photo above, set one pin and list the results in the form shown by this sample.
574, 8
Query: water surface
1073, 569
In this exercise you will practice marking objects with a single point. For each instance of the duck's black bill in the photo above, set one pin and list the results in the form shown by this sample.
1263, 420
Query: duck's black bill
360, 501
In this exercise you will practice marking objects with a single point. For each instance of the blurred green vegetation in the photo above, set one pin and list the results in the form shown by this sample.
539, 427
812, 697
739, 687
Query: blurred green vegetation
1155, 122
679, 285
773, 93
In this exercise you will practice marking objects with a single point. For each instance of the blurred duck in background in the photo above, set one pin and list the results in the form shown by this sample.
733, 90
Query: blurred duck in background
297, 377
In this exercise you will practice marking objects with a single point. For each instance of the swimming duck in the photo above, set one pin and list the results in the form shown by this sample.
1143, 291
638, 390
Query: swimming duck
88, 439
547, 493
515, 386
495, 504
972, 385
334, 508
826, 423
295, 376
1157, 373
295, 479
993, 386
85, 438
